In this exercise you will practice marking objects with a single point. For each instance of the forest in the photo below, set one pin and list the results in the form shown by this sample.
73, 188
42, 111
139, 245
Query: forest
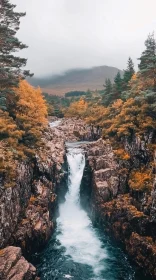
23, 110
128, 105
124, 108
85, 161
127, 109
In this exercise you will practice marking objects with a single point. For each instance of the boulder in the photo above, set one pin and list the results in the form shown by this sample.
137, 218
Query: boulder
13, 265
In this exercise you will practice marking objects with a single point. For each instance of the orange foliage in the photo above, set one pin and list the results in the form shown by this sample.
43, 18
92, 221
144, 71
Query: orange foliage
138, 83
21, 132
122, 118
31, 110
8, 128
122, 154
77, 108
140, 180
32, 199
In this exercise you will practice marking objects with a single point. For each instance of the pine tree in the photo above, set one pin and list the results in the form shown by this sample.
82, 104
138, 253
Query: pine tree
108, 86
118, 84
10, 65
107, 96
128, 73
147, 64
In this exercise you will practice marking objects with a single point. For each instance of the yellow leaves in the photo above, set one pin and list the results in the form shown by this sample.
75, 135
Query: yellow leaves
148, 123
117, 104
77, 108
8, 127
123, 130
122, 154
31, 110
31, 106
32, 199
95, 114
21, 133
7, 163
138, 83
141, 180
134, 77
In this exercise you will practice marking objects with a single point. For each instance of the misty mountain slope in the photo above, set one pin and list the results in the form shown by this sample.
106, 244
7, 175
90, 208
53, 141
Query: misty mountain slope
76, 79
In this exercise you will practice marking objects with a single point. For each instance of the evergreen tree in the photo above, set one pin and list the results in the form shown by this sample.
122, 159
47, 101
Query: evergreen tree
107, 95
108, 86
147, 64
118, 84
128, 73
88, 95
10, 65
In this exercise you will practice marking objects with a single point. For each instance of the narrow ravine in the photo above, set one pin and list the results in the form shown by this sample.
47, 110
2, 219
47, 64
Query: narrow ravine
77, 250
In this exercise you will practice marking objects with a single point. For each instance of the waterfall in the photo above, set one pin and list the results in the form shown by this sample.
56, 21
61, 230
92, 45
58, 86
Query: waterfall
78, 250
76, 232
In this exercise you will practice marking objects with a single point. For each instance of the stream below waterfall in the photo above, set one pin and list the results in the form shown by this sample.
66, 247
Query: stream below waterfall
78, 250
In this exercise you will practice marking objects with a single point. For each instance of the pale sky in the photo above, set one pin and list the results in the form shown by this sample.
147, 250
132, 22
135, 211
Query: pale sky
65, 34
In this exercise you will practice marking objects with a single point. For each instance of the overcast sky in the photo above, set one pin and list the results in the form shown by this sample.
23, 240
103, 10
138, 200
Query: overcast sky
65, 34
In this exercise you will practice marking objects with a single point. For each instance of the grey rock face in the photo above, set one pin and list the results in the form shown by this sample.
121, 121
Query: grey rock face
13, 201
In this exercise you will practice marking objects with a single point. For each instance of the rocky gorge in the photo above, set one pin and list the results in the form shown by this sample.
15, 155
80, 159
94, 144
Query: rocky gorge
28, 210
125, 214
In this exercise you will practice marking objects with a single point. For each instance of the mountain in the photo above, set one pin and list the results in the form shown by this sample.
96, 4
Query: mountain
76, 79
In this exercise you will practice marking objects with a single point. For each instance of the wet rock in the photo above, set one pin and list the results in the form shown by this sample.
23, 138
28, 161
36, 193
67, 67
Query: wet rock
36, 227
13, 265
101, 192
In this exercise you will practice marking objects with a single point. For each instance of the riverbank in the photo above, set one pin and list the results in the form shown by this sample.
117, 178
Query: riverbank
28, 205
78, 250
28, 208
125, 215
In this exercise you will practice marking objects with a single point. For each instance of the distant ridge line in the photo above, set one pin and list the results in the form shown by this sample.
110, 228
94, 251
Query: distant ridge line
76, 79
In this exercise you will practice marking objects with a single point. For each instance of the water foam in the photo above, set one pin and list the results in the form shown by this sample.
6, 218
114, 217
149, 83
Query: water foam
75, 229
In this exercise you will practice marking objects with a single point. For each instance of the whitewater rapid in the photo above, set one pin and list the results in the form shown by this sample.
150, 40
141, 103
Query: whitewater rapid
76, 232
77, 250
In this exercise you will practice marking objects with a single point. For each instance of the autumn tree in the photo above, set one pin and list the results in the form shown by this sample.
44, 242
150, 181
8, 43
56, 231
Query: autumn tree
147, 65
77, 108
9, 129
10, 64
30, 112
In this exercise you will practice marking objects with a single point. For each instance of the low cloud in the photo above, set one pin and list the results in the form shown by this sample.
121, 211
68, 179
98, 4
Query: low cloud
67, 34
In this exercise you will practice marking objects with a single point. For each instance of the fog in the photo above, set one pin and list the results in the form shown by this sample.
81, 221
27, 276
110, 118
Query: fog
65, 34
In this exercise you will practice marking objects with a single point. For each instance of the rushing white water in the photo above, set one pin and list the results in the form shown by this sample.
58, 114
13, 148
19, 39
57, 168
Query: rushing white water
55, 123
76, 233
77, 250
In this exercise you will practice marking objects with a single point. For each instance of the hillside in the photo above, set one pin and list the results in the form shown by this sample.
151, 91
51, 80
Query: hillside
76, 79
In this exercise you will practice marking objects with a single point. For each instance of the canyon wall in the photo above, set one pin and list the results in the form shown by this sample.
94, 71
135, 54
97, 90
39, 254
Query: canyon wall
127, 215
28, 206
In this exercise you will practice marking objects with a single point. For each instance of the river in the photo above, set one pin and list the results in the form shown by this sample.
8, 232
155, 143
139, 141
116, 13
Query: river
77, 250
